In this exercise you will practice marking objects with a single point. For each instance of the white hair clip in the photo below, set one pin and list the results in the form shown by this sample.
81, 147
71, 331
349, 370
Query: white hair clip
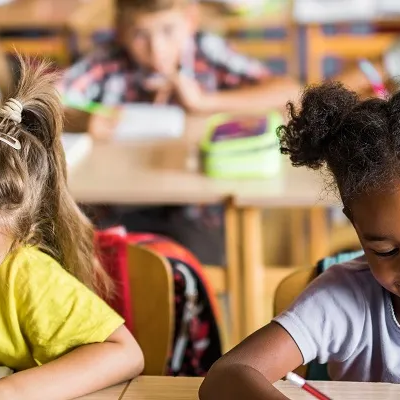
11, 141
11, 110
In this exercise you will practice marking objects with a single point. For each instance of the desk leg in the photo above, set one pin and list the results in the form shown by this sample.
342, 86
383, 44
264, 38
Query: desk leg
298, 239
253, 271
233, 269
319, 234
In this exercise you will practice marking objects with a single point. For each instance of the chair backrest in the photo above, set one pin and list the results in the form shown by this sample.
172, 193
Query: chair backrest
152, 292
54, 47
291, 287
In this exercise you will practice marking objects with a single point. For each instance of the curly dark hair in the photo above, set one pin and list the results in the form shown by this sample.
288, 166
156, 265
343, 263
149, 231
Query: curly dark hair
357, 141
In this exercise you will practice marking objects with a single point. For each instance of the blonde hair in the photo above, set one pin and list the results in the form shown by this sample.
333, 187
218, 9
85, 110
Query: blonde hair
148, 5
35, 205
6, 80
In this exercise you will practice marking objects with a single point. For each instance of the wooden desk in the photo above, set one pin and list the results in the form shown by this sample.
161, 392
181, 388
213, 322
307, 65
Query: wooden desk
302, 192
166, 388
142, 174
113, 393
295, 188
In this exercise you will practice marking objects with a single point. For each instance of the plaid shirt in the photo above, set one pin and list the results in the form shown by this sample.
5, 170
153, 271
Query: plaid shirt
110, 77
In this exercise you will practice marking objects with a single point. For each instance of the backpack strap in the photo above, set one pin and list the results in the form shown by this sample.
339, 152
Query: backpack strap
340, 258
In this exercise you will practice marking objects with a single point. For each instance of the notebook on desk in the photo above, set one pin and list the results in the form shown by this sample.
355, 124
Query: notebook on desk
137, 121
150, 121
76, 147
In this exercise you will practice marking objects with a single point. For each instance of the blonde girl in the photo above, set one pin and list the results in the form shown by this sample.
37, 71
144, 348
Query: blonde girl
59, 337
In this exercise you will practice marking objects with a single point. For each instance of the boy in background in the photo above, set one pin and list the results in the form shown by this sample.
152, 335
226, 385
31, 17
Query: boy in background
160, 57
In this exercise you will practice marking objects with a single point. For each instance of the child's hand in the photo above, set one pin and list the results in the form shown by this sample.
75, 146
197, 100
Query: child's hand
189, 94
102, 127
183, 88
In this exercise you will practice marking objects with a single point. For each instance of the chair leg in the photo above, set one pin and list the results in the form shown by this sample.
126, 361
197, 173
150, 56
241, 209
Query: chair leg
233, 269
319, 234
298, 239
253, 270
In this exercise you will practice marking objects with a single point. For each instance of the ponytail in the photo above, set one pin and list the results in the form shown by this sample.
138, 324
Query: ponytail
34, 186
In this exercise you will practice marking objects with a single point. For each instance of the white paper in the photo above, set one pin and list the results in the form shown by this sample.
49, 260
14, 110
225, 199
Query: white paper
148, 121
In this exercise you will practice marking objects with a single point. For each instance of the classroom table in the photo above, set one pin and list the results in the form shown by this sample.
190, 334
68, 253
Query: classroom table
167, 388
162, 173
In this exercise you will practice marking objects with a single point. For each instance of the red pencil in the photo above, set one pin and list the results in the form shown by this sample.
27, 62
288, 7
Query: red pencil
302, 383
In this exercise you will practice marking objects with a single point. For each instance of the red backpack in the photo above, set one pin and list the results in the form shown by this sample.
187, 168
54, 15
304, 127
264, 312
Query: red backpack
197, 343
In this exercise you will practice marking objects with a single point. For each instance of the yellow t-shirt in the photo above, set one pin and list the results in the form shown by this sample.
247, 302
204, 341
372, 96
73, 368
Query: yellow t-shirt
45, 312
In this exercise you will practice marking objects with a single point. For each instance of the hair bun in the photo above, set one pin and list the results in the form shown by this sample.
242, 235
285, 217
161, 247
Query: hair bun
310, 130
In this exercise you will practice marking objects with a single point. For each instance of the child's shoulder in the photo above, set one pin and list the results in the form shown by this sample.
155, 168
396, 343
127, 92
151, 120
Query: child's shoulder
354, 274
26, 262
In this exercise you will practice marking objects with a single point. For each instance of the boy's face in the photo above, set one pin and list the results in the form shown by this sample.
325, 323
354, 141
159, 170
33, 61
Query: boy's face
156, 41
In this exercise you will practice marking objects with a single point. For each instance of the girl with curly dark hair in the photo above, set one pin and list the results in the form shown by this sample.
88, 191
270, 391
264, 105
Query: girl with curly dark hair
349, 316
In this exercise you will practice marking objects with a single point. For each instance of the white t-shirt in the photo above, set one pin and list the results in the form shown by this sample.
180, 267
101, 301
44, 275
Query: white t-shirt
346, 319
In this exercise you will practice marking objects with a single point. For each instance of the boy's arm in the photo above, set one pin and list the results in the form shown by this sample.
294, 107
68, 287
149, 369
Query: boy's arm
270, 93
85, 370
245, 83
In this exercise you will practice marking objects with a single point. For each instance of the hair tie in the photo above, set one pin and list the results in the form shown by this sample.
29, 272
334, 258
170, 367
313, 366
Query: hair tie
12, 109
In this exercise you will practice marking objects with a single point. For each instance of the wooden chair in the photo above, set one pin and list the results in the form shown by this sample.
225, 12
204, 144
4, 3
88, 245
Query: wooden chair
345, 45
152, 292
225, 281
152, 298
54, 47
282, 48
